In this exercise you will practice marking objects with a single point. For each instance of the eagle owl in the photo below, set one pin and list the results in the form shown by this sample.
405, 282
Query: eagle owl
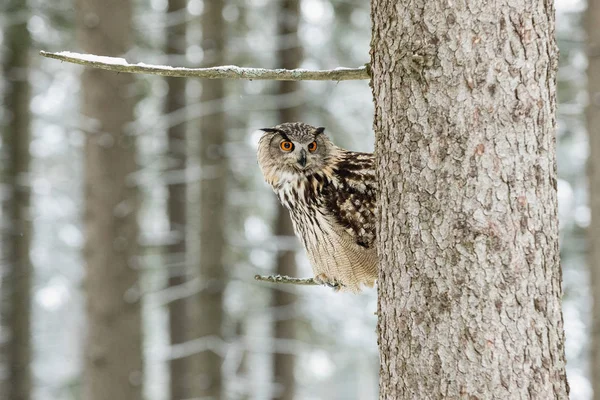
330, 194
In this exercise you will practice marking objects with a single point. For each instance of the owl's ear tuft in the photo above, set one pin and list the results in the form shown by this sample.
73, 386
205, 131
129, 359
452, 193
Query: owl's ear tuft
320, 130
269, 130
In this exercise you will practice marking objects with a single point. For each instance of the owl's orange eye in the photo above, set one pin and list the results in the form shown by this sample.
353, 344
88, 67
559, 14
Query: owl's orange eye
286, 145
312, 146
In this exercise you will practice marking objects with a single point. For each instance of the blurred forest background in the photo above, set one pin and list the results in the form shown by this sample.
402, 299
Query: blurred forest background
142, 241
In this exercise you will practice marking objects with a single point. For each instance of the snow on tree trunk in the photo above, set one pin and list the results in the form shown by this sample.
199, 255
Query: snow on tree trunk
16, 270
470, 279
593, 125
113, 347
177, 205
289, 57
206, 373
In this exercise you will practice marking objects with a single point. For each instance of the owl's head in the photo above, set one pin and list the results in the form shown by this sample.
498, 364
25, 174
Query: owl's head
293, 147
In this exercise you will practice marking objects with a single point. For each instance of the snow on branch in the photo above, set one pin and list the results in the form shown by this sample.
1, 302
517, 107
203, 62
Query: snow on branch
222, 72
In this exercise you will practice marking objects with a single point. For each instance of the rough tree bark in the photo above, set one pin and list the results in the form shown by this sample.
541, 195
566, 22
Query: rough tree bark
207, 364
593, 125
177, 204
470, 280
113, 347
15, 268
289, 57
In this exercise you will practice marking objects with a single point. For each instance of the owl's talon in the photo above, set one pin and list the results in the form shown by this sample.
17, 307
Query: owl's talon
323, 279
335, 286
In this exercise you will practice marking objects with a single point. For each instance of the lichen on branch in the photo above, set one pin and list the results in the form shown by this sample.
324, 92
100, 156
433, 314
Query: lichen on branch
286, 279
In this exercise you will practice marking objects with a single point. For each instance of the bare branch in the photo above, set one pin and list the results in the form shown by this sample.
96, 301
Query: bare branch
286, 279
223, 72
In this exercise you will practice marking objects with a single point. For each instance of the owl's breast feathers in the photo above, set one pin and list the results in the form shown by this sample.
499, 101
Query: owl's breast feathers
333, 211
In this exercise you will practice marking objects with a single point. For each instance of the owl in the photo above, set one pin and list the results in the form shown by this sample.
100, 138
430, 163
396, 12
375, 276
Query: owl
330, 194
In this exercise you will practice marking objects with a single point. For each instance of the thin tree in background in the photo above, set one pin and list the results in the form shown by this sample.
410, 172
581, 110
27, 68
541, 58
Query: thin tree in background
177, 203
113, 347
593, 126
16, 270
289, 56
470, 280
208, 321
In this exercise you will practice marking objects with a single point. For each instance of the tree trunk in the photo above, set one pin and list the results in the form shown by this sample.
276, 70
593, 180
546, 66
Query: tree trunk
177, 204
207, 364
289, 57
470, 281
16, 271
113, 348
593, 125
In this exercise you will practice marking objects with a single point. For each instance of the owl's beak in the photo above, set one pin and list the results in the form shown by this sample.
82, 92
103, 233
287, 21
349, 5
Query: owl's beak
302, 158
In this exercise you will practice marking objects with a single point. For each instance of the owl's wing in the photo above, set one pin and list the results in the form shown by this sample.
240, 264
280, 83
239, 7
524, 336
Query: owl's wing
350, 199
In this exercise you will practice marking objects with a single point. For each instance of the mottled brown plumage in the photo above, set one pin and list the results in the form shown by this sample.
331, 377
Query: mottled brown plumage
330, 194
